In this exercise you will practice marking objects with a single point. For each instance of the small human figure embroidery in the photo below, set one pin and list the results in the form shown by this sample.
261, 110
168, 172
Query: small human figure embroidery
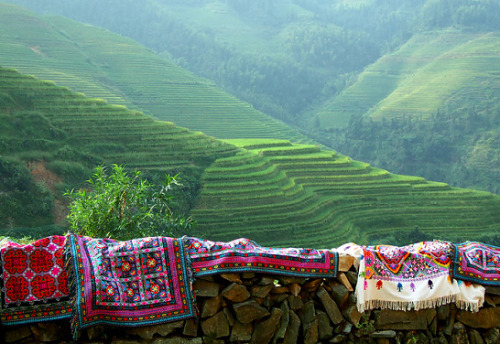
379, 284
366, 285
431, 285
412, 286
400, 287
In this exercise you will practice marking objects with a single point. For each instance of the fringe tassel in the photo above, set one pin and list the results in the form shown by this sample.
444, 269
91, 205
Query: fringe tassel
418, 305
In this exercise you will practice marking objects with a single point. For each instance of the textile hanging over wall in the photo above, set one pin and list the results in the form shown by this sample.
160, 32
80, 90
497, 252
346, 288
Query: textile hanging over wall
416, 276
209, 257
477, 262
34, 282
131, 283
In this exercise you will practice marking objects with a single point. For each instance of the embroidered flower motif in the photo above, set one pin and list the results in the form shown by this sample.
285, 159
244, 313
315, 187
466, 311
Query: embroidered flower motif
43, 286
16, 288
62, 279
15, 261
41, 261
109, 290
41, 242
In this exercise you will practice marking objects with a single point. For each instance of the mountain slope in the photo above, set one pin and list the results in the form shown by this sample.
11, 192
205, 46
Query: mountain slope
430, 108
272, 191
102, 64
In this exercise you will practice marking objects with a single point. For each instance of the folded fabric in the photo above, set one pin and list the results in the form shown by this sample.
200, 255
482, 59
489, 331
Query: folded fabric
131, 283
240, 255
416, 276
477, 262
34, 282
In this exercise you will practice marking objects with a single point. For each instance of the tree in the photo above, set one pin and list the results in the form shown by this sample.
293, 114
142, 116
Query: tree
123, 206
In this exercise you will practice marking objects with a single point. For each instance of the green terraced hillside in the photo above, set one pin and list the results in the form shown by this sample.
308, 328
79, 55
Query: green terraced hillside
426, 74
272, 191
70, 134
102, 64
280, 193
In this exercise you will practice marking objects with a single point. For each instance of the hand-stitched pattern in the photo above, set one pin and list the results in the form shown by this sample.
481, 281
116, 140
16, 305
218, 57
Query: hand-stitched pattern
35, 282
131, 283
209, 257
477, 262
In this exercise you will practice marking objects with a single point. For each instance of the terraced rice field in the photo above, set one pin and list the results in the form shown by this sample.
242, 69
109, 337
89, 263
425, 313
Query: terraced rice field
113, 133
104, 65
419, 78
280, 193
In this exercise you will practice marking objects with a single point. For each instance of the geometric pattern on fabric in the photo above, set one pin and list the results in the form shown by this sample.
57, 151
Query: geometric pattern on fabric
129, 283
477, 262
240, 255
34, 282
415, 276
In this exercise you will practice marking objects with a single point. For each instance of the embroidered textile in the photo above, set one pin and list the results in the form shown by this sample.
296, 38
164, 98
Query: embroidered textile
477, 262
209, 257
412, 277
35, 283
131, 283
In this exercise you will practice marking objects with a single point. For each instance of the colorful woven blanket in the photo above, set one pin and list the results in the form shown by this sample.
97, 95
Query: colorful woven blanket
34, 282
240, 255
412, 277
477, 262
131, 283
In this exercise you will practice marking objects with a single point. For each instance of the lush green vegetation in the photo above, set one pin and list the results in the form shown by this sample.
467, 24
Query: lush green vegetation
52, 138
125, 206
435, 112
102, 64
281, 193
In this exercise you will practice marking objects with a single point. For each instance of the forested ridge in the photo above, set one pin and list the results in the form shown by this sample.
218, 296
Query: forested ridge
293, 58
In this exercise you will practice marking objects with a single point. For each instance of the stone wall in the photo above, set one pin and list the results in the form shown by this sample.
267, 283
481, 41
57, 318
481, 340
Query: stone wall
258, 308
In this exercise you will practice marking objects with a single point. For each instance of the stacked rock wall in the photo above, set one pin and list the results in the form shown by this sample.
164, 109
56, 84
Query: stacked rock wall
261, 308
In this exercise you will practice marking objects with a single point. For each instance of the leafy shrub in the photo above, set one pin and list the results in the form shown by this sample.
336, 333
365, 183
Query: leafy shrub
124, 206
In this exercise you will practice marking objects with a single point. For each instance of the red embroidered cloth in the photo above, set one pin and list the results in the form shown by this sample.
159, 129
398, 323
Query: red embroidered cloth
35, 283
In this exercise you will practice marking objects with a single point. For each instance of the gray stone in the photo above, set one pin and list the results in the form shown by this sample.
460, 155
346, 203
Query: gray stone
231, 277
292, 331
459, 334
443, 312
264, 331
486, 318
236, 292
311, 332
475, 337
285, 280
265, 280
16, 333
95, 332
229, 316
248, 275
176, 340
383, 334
261, 291
330, 306
351, 314
48, 332
241, 332
448, 330
204, 288
403, 320
493, 290
249, 311
340, 338
324, 325
339, 293
210, 306
352, 277
492, 336
285, 318
216, 326
441, 338
295, 302
190, 327
308, 313
147, 332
